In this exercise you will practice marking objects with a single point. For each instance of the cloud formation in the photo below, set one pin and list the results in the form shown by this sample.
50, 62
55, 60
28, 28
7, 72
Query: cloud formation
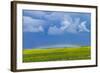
56, 22
69, 26
55, 31
82, 27
32, 25
73, 27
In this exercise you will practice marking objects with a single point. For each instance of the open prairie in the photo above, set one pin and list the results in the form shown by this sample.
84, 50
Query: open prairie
57, 54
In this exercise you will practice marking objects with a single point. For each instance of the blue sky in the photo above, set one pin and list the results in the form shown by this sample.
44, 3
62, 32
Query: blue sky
47, 28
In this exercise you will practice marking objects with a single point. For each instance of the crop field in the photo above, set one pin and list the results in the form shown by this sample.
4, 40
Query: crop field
57, 54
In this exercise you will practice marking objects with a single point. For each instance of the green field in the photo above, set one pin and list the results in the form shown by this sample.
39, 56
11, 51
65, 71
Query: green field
56, 54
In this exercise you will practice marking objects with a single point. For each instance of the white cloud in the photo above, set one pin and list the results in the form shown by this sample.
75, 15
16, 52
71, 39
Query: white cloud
55, 31
73, 25
41, 20
32, 25
82, 27
69, 25
66, 22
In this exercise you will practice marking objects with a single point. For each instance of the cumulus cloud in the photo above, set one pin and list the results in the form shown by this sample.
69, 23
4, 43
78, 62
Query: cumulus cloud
66, 22
70, 26
32, 25
54, 23
82, 27
55, 31
74, 25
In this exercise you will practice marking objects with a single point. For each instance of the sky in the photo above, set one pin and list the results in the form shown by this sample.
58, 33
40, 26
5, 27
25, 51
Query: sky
44, 29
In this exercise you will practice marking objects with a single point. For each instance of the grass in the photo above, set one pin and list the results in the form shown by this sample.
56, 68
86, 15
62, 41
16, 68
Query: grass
56, 54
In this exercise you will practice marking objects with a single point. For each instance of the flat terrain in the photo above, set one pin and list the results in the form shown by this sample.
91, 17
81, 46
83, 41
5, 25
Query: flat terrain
56, 54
